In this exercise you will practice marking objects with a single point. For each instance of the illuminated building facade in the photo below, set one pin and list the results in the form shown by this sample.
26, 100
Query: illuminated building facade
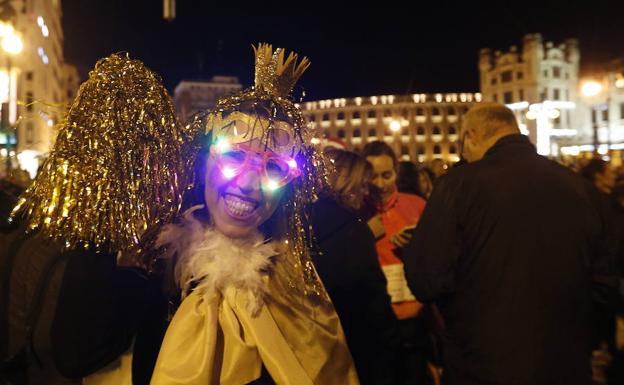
419, 127
41, 82
192, 96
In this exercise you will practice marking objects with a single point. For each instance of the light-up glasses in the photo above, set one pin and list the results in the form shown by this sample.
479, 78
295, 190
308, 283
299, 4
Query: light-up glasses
276, 170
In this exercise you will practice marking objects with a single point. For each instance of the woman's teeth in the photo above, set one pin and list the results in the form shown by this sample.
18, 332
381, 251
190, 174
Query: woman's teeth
237, 206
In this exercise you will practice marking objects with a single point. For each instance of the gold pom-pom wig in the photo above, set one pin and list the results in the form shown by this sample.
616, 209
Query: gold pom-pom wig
266, 112
117, 165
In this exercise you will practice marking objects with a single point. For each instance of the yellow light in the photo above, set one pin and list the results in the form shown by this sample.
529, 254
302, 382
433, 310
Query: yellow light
531, 115
12, 44
554, 113
619, 83
591, 88
395, 126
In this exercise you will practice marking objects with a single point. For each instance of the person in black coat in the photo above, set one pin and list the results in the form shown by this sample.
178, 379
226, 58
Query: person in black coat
510, 246
348, 267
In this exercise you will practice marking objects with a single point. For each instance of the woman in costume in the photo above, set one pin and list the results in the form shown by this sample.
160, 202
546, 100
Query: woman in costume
254, 310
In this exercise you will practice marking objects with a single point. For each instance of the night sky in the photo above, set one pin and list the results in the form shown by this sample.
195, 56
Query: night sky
390, 48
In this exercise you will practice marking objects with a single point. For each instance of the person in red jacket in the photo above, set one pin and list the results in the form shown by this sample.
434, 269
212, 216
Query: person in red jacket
396, 215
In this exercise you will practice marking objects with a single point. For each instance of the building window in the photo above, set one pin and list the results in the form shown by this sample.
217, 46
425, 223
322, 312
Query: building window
404, 113
436, 149
493, 81
452, 130
521, 95
404, 131
341, 134
605, 115
544, 95
420, 112
451, 111
621, 110
357, 133
567, 94
356, 115
556, 72
372, 133
452, 149
311, 118
404, 150
436, 130
508, 97
421, 150
341, 116
387, 114
495, 98
30, 98
325, 117
435, 111
326, 134
29, 75
545, 73
556, 94
421, 130
506, 76
371, 114
520, 75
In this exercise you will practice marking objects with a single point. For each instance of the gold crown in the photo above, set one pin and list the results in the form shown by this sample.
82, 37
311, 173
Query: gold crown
275, 75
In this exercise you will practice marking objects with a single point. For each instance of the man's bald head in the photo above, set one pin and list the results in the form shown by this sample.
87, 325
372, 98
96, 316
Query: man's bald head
482, 126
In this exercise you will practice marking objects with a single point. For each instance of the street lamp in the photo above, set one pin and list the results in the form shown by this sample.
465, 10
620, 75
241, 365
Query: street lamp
591, 89
12, 45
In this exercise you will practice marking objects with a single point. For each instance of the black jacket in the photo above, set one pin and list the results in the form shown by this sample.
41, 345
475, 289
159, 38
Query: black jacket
350, 271
101, 309
510, 247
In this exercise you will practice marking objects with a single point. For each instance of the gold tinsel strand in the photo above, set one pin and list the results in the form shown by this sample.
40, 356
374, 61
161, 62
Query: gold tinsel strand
118, 164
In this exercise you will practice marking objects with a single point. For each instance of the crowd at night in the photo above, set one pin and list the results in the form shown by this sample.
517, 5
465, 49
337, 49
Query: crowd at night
198, 193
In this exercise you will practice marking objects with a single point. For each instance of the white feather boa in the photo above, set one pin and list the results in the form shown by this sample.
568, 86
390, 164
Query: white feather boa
215, 261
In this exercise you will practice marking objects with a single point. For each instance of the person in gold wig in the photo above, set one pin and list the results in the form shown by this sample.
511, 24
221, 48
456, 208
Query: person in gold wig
254, 310
117, 167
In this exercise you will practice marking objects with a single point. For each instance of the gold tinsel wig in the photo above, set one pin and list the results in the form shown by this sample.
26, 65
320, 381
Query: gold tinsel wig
266, 112
117, 164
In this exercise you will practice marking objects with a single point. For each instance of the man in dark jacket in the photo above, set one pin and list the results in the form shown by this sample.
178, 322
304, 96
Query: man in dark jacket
510, 246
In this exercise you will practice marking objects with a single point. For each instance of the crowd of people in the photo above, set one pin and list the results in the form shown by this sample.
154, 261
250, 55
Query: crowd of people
229, 250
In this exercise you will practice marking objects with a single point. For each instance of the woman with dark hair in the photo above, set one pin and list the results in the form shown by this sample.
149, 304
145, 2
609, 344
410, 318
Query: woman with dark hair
396, 215
347, 264
253, 309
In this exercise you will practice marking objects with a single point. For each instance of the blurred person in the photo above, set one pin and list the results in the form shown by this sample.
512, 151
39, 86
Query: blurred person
348, 266
425, 182
601, 174
395, 216
511, 247
438, 168
408, 178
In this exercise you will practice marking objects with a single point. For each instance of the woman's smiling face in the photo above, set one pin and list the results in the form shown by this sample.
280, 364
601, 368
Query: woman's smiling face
239, 204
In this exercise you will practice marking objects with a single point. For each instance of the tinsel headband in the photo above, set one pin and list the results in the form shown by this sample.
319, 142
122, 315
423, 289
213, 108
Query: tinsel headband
117, 164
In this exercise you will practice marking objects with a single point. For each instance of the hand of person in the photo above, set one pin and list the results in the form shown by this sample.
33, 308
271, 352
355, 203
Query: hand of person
376, 226
402, 238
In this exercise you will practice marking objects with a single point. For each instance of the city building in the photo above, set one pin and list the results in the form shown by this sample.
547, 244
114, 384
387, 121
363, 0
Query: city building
192, 96
564, 112
36, 79
420, 127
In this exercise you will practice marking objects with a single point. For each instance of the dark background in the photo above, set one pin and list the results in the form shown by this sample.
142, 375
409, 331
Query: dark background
356, 50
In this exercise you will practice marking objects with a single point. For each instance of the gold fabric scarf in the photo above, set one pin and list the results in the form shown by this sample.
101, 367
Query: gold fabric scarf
219, 342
